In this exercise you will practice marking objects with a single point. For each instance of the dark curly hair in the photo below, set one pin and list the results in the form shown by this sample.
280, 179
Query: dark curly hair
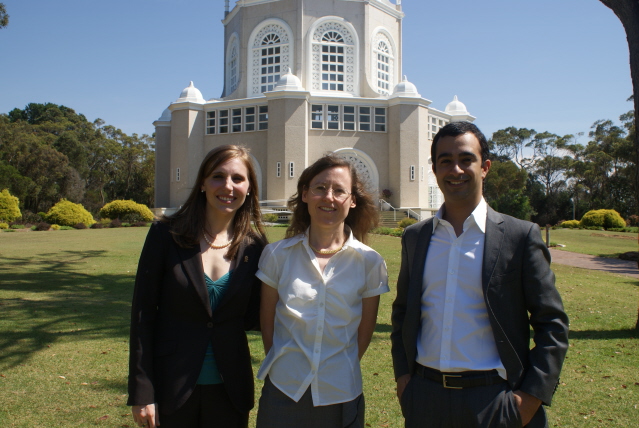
360, 219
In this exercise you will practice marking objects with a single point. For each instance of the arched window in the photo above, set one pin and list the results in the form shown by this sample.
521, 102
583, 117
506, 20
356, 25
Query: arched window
232, 64
334, 58
271, 62
383, 64
270, 47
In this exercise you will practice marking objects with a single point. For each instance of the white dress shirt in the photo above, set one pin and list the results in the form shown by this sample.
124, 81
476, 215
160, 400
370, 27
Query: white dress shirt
455, 330
317, 317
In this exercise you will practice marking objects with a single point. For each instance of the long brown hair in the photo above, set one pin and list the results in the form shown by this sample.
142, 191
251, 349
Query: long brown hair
188, 222
360, 219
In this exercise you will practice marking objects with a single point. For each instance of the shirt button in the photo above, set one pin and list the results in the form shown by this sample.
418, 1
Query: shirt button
209, 324
313, 372
317, 351
319, 328
321, 304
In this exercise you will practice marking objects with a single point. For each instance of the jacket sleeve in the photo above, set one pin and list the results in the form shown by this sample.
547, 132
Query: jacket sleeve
398, 350
547, 318
148, 281
252, 315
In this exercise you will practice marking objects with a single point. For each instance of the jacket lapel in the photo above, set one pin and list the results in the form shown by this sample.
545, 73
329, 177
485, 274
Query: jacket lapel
492, 245
237, 277
192, 262
417, 265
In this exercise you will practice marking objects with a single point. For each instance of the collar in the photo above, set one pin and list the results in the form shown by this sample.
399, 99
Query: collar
351, 241
478, 216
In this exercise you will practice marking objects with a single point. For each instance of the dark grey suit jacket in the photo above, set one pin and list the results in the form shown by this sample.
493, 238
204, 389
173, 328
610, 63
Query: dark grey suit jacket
519, 291
172, 324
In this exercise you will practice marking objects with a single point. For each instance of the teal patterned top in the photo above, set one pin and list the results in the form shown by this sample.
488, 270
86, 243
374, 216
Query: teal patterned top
210, 375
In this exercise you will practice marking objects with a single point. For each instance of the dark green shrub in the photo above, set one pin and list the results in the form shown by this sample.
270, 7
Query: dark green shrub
115, 223
80, 226
128, 211
16, 226
633, 220
29, 217
66, 213
270, 218
97, 226
404, 223
42, 226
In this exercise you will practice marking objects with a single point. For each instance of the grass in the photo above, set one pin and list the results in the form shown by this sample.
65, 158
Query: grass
65, 300
593, 242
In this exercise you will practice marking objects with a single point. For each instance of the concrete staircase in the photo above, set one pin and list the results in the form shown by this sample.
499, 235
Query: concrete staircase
390, 218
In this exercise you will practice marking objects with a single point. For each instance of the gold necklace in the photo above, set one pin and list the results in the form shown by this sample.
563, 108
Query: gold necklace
324, 251
216, 247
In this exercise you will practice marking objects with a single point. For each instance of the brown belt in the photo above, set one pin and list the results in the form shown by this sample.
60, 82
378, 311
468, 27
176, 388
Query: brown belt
460, 380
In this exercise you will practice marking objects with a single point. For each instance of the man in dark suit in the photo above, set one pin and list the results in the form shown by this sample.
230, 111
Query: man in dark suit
472, 282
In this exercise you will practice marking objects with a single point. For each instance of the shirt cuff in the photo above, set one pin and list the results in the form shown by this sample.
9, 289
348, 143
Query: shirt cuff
265, 279
383, 288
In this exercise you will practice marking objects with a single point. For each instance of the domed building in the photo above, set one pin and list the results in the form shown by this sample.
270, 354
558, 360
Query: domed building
303, 78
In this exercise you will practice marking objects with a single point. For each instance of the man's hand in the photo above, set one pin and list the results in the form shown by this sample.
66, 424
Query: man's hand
146, 416
527, 405
402, 381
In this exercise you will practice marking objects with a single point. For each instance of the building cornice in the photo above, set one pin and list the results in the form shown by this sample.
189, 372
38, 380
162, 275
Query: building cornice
422, 102
278, 95
186, 105
161, 123
388, 7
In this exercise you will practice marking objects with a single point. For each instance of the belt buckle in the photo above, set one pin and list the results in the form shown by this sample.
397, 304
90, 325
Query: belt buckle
445, 382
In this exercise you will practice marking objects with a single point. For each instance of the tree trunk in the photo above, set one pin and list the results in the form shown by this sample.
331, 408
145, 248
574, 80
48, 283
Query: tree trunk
628, 13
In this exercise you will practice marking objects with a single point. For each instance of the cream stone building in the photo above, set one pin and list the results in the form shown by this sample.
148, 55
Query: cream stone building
303, 78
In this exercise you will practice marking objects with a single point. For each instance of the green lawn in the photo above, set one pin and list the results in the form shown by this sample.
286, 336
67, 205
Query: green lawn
594, 242
64, 305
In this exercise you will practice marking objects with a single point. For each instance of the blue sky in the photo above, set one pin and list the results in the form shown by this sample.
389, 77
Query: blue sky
551, 65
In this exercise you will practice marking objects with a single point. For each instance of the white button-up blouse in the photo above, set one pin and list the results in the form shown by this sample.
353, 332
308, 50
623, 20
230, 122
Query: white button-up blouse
317, 317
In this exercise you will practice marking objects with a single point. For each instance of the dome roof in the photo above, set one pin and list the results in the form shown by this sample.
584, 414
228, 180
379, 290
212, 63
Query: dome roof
405, 89
191, 94
166, 116
289, 82
456, 108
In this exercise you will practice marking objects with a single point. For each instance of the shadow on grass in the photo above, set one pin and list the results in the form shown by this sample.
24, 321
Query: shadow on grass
58, 296
603, 334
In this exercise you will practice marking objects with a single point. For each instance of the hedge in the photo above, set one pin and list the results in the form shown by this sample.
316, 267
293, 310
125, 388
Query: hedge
127, 211
9, 207
602, 218
66, 213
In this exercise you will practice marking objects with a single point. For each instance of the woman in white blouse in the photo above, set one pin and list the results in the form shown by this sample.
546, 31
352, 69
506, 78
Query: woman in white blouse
320, 295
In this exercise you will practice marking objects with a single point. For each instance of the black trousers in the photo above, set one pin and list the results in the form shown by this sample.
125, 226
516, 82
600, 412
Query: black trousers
208, 406
428, 404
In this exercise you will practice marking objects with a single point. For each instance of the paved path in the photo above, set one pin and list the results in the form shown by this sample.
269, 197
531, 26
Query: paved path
618, 266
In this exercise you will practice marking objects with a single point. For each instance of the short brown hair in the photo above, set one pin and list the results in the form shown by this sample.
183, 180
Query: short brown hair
188, 222
360, 219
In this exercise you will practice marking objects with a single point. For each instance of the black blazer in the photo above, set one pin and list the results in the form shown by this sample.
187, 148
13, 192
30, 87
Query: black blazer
519, 291
172, 324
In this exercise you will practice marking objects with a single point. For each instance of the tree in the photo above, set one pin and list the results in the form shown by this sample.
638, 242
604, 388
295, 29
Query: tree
505, 190
628, 13
4, 17
511, 143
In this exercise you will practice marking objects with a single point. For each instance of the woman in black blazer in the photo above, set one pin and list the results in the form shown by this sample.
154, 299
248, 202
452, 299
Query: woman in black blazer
195, 295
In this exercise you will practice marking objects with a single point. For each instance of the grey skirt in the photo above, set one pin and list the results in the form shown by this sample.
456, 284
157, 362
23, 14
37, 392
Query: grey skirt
277, 410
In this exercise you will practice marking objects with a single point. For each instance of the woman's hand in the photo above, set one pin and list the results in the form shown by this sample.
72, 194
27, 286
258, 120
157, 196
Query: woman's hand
146, 416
